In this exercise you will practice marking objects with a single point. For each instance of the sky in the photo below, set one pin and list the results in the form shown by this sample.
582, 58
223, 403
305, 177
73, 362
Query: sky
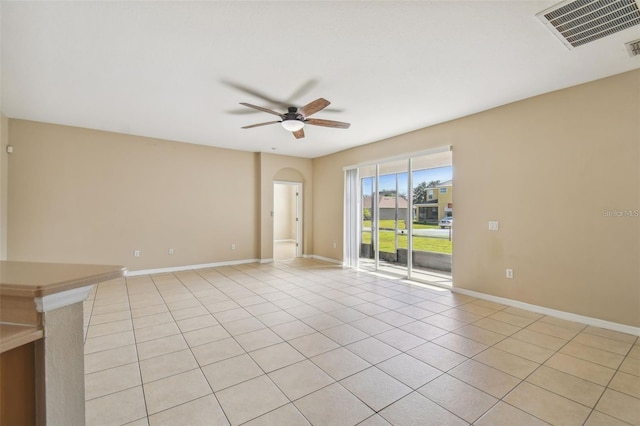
388, 182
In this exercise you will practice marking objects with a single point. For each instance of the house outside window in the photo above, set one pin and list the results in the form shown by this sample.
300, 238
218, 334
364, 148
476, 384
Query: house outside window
445, 199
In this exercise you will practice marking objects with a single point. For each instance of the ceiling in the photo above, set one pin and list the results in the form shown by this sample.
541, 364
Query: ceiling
178, 70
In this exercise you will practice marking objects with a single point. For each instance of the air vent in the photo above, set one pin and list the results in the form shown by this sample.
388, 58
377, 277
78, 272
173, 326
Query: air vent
580, 22
633, 47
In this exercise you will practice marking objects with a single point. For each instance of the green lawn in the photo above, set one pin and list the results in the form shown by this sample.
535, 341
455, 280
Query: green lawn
387, 242
390, 224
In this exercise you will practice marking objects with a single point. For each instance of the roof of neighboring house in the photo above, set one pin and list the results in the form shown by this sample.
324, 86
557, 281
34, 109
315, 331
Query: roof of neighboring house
446, 183
385, 202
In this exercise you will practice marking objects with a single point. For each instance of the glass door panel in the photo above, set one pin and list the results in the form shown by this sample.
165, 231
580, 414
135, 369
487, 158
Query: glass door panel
432, 244
393, 208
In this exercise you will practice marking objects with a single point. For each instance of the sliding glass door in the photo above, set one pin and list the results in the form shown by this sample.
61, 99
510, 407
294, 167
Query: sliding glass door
400, 205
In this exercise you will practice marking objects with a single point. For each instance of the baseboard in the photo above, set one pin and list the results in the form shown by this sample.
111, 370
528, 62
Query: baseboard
188, 267
622, 328
266, 260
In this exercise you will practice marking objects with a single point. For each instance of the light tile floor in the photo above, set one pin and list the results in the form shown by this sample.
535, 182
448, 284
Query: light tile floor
419, 274
306, 342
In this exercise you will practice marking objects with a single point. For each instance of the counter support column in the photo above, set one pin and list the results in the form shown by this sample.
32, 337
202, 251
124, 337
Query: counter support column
61, 397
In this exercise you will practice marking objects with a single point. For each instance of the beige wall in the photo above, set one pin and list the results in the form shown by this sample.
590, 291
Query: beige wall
4, 183
86, 196
565, 253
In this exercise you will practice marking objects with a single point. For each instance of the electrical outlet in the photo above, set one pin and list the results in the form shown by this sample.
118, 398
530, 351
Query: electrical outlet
493, 225
136, 253
170, 251
233, 246
509, 273
335, 245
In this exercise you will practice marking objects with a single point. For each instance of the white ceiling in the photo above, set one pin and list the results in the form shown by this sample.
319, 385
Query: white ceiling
167, 69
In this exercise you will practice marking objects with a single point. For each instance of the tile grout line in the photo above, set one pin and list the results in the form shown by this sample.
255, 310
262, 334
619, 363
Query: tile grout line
144, 396
532, 384
245, 353
319, 286
190, 351
609, 382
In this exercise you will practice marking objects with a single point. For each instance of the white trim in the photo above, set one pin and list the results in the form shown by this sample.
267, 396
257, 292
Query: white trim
409, 219
351, 234
62, 299
188, 267
289, 240
443, 148
622, 328
270, 260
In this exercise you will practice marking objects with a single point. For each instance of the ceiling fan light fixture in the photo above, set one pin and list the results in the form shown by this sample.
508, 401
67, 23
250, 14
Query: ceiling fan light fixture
293, 125
295, 118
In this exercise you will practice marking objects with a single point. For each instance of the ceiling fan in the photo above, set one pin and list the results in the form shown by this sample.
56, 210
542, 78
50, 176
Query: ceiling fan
295, 118
271, 102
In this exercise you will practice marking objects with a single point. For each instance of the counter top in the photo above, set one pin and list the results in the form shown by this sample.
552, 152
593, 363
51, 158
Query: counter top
35, 279
14, 335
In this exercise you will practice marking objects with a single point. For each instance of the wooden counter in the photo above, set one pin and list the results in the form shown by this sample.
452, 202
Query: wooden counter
32, 279
41, 340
